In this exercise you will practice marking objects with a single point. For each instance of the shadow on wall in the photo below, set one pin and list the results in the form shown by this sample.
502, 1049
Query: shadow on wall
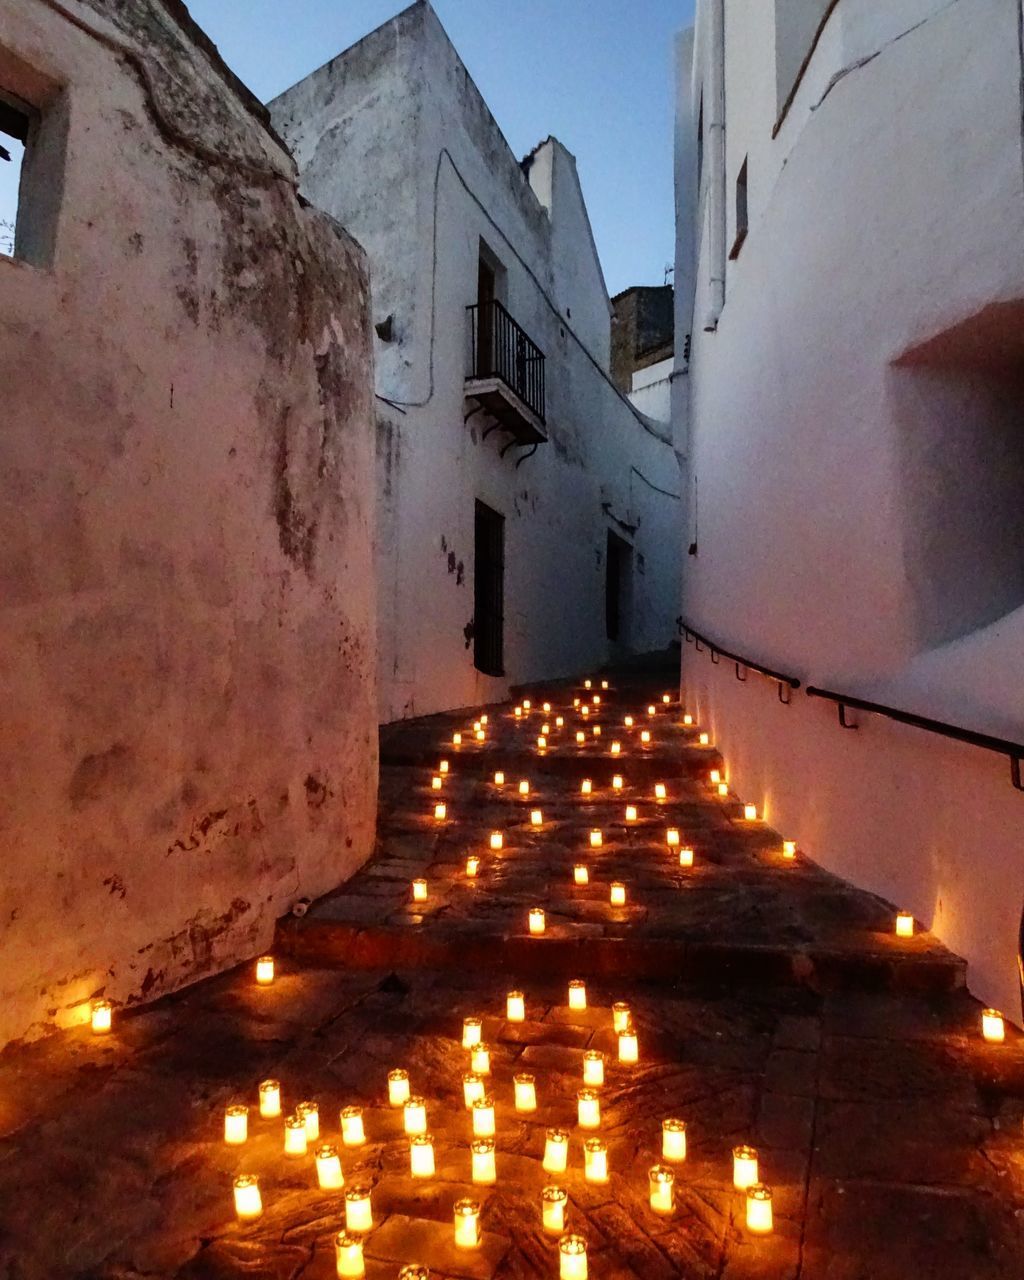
957, 405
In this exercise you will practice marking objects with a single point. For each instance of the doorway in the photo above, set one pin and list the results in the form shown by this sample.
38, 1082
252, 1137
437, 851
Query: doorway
489, 592
618, 587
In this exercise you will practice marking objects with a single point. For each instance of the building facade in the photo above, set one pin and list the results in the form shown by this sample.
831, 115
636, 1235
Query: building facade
851, 269
188, 738
528, 515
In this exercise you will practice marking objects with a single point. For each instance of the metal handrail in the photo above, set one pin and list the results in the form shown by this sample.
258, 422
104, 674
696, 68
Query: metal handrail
784, 683
986, 741
502, 349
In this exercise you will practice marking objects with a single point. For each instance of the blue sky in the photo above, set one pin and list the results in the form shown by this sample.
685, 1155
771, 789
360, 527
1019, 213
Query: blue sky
596, 73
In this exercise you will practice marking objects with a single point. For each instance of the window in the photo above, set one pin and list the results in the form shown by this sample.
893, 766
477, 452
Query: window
489, 592
618, 583
741, 211
33, 133
14, 127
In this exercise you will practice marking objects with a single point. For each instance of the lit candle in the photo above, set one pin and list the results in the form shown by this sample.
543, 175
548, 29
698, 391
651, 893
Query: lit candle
542, 742
581, 873
295, 1142
744, 1167
673, 1140
705, 739
715, 777
789, 848
310, 1114
467, 1224
666, 698
265, 971
575, 702
499, 778
750, 812
484, 719
556, 1151
545, 707
480, 1059
587, 684
472, 1088
559, 722
593, 1067
527, 704
421, 1155
586, 786
526, 1091
616, 748
419, 891
652, 710
904, 925
524, 787
660, 791
723, 789
596, 731
443, 767
328, 1168
759, 1210
597, 699
595, 1160
628, 722
687, 720
621, 1016
584, 710
618, 894
101, 1017
672, 837
472, 1032
618, 782
993, 1028
545, 727
236, 1125
358, 1210
480, 735
537, 922
352, 1133
645, 737
497, 840
661, 1181
477, 725
348, 1255
436, 782
588, 1109
415, 1115
440, 812
629, 1050
483, 1117
536, 818
604, 684
577, 994
515, 1006
631, 813
472, 866
457, 739
596, 839
553, 1202
398, 1087
248, 1201
518, 713
483, 1166
572, 1258
581, 737
413, 1271
686, 857
270, 1099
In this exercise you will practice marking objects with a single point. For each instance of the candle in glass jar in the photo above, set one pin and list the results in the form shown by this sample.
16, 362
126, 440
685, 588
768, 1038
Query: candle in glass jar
328, 1168
545, 728
419, 891
413, 1271
750, 812
660, 791
309, 1112
672, 837
723, 789
499, 778
472, 1032
596, 839
352, 1132
597, 699
556, 1151
744, 1167
666, 698
524, 787
584, 710
616, 748
595, 1160
295, 1141
467, 1224
472, 1088
673, 1140
577, 994
661, 1181
440, 812
687, 719
904, 925
652, 710
415, 1115
527, 704
596, 731
398, 1087
436, 782
101, 1017
759, 1210
587, 684
483, 1166
789, 848
581, 737
645, 736
526, 1091
496, 840
443, 767
621, 1016
545, 707
631, 813
618, 782
483, 1117
515, 1006
993, 1027
421, 1155
270, 1099
618, 894
628, 721
714, 777
629, 1050
705, 739
472, 866
236, 1125
588, 1109
456, 739
572, 1258
537, 921
686, 857
536, 818
542, 742
587, 786
348, 1255
559, 722
554, 1201
265, 971
593, 1067
248, 1202
480, 1059
581, 873
358, 1210
518, 712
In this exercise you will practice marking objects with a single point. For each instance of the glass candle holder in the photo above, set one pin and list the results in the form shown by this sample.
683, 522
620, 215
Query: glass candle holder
328, 1167
101, 1017
295, 1141
248, 1201
556, 1151
421, 1155
596, 839
581, 873
595, 1160
542, 742
525, 1086
352, 1132
759, 1210
904, 925
714, 777
593, 1067
358, 1210
415, 1115
661, 1183
645, 737
631, 813
588, 1109
618, 782
527, 704
723, 790
673, 1140
628, 721
483, 1165
440, 811
617, 894
265, 971
480, 735
993, 1027
581, 737
483, 1117
629, 1049
750, 813
687, 719
672, 837
524, 787
499, 778
480, 1059
515, 1007
604, 684
309, 1113
744, 1167
705, 739
588, 684
660, 791
497, 840
413, 1271
666, 699
616, 748
472, 866
472, 1032
517, 712
467, 1224
236, 1125
443, 767
436, 782
545, 707
553, 1204
419, 891
270, 1099
621, 1016
537, 920
536, 818
399, 1091
596, 699
686, 857
587, 787
472, 1088
789, 848
577, 994
652, 710
596, 731
348, 1255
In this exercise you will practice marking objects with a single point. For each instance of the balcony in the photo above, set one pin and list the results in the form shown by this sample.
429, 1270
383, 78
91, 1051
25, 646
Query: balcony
507, 373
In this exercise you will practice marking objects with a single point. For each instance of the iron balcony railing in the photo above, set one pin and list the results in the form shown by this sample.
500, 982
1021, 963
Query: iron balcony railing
503, 350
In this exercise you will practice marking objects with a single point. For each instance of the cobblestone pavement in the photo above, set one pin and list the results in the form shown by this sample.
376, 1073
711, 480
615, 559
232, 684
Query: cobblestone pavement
888, 1131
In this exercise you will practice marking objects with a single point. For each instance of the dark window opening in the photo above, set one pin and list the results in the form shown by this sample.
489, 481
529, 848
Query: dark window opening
33, 142
489, 592
618, 571
742, 221
15, 122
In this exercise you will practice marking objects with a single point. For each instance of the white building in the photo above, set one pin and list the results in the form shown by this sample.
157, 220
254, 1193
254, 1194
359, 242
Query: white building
528, 515
851, 265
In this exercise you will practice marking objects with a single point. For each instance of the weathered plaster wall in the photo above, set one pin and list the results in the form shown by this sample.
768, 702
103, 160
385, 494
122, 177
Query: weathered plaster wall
852, 444
186, 597
405, 84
